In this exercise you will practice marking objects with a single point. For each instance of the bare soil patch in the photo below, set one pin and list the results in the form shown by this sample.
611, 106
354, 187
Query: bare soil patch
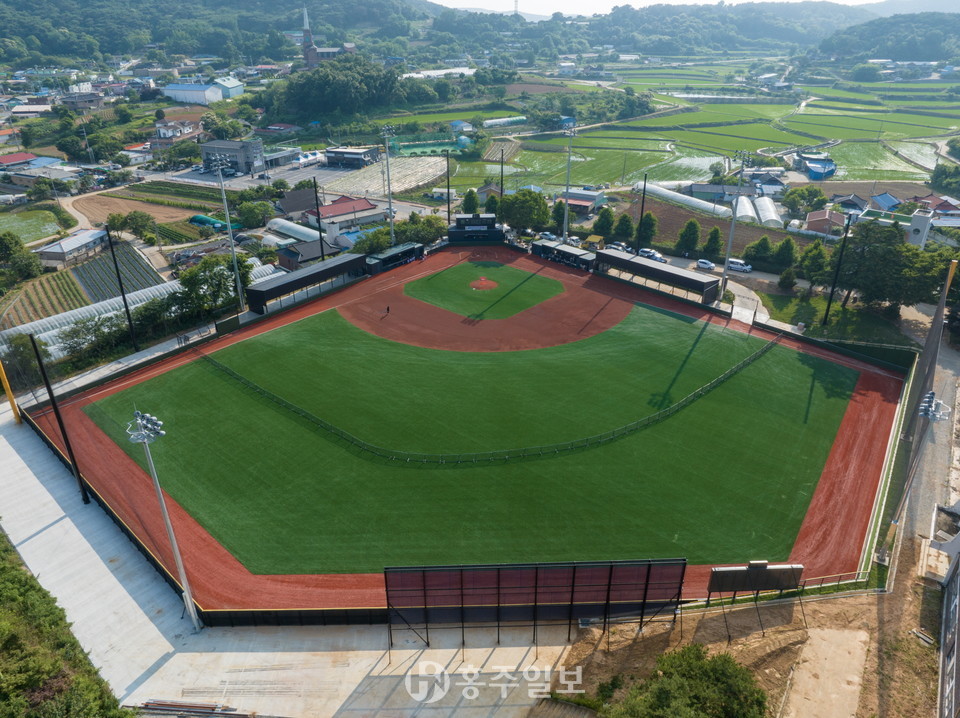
97, 207
484, 284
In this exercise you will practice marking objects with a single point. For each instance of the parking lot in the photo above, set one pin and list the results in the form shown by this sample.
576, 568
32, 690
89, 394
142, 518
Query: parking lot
291, 173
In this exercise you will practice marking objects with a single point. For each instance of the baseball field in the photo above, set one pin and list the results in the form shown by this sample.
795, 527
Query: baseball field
481, 351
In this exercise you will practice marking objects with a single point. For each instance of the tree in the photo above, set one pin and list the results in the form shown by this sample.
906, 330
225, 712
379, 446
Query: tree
689, 237
492, 205
556, 214
646, 230
785, 255
470, 203
800, 200
117, 221
603, 224
20, 361
717, 169
623, 229
10, 244
254, 214
123, 114
880, 266
525, 209
688, 683
376, 241
813, 263
72, 147
280, 185
42, 189
759, 251
713, 247
26, 264
303, 184
139, 223
211, 284
159, 115
865, 72
788, 279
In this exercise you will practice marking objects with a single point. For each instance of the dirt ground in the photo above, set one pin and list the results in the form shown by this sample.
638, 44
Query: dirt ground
897, 680
97, 207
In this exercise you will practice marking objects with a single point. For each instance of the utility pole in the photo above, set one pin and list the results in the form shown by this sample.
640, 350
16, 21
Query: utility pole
566, 197
123, 294
219, 162
387, 134
316, 202
741, 155
836, 271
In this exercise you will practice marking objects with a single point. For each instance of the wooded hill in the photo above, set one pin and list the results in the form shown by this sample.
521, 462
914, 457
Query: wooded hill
919, 36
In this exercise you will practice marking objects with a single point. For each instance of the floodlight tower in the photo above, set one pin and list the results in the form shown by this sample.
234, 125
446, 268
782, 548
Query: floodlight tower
145, 429
387, 134
219, 162
571, 133
741, 155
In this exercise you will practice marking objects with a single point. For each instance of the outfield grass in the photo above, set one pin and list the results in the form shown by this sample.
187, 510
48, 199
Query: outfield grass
727, 479
516, 290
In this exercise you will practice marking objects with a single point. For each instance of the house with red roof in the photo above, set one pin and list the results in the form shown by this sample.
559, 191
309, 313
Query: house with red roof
826, 221
16, 159
345, 213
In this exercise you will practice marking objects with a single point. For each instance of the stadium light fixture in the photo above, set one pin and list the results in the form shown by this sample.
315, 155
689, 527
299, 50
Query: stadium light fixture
741, 155
387, 134
219, 162
145, 429
571, 133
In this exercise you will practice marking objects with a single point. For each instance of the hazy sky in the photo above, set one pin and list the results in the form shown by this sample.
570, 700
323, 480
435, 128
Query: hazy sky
573, 7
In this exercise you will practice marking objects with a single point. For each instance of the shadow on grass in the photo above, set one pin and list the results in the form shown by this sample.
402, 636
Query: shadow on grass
482, 312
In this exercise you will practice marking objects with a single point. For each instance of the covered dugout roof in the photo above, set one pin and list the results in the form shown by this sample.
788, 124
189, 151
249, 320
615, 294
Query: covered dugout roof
280, 285
658, 271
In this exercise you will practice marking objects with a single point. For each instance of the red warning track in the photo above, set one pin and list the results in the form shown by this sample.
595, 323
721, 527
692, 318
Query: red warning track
831, 536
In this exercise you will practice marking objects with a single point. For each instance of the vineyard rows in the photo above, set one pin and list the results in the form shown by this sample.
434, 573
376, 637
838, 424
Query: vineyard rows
178, 232
189, 191
45, 296
98, 277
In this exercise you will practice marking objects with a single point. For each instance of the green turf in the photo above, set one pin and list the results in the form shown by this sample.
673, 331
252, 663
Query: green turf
30, 225
515, 292
726, 479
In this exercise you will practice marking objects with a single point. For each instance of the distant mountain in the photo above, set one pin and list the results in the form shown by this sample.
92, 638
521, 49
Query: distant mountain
899, 7
930, 36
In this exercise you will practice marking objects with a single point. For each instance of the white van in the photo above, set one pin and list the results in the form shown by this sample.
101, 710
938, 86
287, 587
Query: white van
738, 265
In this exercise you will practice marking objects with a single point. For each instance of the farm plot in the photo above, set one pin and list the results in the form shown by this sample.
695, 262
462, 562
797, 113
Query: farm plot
99, 280
886, 125
178, 232
42, 297
434, 117
686, 164
621, 141
716, 113
29, 226
923, 153
738, 137
406, 173
475, 174
872, 161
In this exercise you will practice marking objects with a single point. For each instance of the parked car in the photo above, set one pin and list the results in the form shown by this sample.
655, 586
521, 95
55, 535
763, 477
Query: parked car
196, 167
655, 256
738, 265
202, 171
620, 246
705, 264
547, 235
646, 252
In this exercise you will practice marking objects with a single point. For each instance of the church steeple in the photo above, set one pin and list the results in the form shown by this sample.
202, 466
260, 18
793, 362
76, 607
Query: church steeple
307, 35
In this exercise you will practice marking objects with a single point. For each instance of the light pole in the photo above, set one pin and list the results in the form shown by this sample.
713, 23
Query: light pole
219, 162
566, 197
741, 155
387, 134
145, 429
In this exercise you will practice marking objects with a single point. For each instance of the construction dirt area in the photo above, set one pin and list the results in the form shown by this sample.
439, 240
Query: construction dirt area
98, 207
853, 655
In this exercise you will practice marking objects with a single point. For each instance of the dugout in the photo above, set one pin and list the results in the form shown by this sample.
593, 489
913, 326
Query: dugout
564, 254
338, 271
393, 257
613, 261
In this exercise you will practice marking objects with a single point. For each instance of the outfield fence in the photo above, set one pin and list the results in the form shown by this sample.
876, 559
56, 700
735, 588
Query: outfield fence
529, 452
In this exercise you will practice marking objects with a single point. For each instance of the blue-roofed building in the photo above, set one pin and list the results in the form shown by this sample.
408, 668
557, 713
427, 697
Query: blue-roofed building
820, 169
461, 126
885, 202
567, 123
43, 162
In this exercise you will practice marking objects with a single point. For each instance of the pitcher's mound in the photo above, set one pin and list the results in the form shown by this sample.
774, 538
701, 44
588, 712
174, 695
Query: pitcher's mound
483, 283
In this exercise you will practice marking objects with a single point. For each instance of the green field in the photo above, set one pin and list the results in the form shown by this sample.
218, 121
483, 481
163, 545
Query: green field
30, 225
726, 479
515, 292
